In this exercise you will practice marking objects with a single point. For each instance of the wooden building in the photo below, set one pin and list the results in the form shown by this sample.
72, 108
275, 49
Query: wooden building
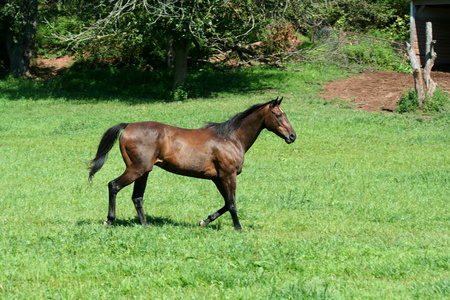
437, 12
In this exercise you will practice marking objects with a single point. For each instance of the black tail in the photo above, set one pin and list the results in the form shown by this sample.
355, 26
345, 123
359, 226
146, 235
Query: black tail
107, 142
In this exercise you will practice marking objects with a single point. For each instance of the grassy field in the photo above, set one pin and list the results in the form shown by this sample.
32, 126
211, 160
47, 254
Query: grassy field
356, 208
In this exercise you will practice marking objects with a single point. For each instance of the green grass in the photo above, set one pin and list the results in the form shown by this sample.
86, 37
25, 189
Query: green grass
356, 208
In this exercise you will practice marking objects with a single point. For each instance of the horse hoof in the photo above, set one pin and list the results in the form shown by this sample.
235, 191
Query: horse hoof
106, 223
202, 223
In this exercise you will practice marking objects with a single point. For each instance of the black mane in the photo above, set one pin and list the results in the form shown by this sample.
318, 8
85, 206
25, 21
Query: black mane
226, 128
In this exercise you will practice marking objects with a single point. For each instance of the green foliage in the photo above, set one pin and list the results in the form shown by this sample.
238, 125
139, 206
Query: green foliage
438, 103
409, 102
358, 52
357, 16
138, 37
46, 45
129, 41
398, 30
179, 93
377, 57
12, 16
348, 211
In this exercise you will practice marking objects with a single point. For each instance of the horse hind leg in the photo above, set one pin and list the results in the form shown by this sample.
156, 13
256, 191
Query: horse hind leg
138, 197
114, 187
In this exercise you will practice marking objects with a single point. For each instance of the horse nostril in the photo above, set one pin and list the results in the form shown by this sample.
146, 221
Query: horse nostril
293, 136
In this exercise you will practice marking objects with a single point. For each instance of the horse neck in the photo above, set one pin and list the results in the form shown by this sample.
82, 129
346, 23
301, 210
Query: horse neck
249, 130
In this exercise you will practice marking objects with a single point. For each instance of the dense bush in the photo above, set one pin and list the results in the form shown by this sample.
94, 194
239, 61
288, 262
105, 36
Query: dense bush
439, 103
409, 102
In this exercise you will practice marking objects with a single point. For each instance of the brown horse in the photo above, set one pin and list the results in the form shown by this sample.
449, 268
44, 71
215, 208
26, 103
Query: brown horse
215, 151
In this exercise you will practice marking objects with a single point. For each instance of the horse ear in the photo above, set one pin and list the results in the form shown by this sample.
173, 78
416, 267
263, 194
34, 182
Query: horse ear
279, 102
274, 103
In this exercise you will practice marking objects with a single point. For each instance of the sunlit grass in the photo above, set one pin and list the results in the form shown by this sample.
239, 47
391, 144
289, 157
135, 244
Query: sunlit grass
357, 207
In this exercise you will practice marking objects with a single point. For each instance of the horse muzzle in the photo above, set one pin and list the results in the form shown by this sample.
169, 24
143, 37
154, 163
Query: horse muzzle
291, 138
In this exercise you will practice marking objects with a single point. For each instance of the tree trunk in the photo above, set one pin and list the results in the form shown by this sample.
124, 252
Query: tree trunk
20, 42
170, 56
181, 51
430, 57
416, 73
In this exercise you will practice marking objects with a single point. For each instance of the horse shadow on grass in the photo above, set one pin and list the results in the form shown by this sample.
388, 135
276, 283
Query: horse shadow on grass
152, 222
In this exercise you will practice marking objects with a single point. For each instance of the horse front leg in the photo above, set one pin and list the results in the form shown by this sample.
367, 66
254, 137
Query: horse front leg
230, 201
212, 217
227, 188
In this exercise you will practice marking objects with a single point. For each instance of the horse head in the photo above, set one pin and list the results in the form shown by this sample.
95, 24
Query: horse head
277, 122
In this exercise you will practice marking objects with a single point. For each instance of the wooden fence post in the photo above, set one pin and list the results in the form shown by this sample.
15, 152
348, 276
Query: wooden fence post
416, 73
430, 57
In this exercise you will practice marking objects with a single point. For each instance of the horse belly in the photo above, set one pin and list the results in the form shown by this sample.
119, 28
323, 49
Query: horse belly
188, 170
189, 161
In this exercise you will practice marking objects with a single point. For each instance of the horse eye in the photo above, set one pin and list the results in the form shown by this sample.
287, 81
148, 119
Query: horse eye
278, 115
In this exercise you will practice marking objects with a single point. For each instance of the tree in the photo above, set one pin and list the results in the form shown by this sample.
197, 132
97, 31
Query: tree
182, 22
214, 25
430, 57
19, 22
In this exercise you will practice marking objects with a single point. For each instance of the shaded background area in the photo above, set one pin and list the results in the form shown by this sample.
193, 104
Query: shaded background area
61, 77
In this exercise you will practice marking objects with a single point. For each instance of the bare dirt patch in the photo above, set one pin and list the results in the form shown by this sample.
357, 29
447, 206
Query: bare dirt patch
377, 91
50, 67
